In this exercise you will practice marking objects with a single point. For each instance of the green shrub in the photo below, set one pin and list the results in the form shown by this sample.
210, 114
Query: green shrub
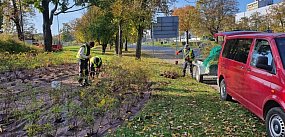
8, 44
205, 51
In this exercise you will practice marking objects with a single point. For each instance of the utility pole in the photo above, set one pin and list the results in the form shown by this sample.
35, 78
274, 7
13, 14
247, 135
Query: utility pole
58, 31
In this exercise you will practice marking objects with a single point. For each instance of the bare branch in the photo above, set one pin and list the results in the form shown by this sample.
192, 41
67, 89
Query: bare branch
53, 11
66, 11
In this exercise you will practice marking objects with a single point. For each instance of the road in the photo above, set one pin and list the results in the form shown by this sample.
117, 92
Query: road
165, 53
168, 55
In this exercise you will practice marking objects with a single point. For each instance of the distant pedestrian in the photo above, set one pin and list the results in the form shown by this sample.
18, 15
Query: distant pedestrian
83, 56
95, 66
189, 56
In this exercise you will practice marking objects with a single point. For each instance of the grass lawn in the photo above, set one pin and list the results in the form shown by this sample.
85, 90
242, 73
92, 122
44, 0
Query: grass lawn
170, 44
180, 107
183, 107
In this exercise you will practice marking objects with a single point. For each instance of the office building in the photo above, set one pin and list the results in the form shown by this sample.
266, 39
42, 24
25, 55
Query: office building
258, 4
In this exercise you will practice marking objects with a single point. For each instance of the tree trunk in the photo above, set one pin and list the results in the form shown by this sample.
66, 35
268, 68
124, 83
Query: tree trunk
1, 16
104, 46
139, 42
46, 26
121, 45
19, 30
120, 38
126, 44
213, 32
282, 25
111, 46
187, 37
180, 36
116, 44
17, 21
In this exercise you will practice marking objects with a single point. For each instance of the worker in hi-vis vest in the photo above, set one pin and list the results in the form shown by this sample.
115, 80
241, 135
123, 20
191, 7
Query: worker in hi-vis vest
189, 56
83, 56
95, 65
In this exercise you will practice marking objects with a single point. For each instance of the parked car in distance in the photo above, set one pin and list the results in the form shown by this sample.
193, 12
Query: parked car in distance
251, 70
56, 47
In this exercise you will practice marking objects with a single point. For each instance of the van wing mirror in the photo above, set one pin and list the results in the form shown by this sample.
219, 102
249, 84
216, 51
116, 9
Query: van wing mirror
262, 63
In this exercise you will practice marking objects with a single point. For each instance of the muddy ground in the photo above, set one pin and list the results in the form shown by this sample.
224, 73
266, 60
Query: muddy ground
23, 90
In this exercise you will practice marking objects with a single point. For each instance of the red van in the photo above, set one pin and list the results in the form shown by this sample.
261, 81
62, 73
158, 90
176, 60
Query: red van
251, 70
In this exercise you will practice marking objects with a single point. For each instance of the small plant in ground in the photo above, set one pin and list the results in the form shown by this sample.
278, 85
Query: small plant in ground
32, 114
8, 100
57, 110
32, 128
73, 115
89, 118
37, 129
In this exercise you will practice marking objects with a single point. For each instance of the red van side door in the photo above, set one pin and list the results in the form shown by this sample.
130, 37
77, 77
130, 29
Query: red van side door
260, 73
234, 58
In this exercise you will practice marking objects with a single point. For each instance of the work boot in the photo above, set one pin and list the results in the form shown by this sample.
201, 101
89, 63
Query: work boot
81, 84
86, 82
184, 72
80, 81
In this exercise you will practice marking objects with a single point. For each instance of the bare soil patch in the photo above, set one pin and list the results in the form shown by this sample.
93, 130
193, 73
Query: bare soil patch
30, 106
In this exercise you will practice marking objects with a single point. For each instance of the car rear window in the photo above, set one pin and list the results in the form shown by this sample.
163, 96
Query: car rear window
280, 42
237, 49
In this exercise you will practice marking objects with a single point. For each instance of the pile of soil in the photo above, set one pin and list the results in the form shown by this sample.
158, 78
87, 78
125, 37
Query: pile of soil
168, 74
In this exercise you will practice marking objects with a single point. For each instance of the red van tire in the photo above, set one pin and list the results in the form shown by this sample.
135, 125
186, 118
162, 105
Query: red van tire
275, 122
224, 96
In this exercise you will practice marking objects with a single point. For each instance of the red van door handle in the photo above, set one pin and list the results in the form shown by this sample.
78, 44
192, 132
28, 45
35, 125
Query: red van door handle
241, 67
248, 69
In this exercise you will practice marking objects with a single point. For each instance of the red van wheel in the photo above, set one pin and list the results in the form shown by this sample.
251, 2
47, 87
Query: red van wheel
275, 126
223, 92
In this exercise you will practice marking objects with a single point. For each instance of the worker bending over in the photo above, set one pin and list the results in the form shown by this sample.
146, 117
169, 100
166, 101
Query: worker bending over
95, 65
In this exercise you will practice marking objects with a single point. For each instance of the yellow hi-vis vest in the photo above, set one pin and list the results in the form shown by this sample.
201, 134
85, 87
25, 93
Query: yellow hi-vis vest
187, 54
85, 52
93, 60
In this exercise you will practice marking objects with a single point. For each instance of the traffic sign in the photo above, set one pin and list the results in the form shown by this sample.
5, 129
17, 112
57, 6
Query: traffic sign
166, 27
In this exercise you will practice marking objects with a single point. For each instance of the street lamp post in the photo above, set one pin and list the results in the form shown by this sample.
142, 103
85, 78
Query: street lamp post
59, 42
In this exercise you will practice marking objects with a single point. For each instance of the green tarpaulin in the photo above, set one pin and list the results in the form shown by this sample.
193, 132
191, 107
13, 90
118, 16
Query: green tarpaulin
213, 56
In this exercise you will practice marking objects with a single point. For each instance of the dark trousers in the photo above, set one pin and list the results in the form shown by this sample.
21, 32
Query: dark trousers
187, 63
83, 69
94, 71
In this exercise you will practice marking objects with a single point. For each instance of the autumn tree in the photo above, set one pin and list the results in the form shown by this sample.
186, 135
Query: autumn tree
278, 17
229, 24
243, 24
259, 22
188, 19
142, 12
105, 30
121, 15
50, 8
80, 30
17, 13
66, 32
214, 13
95, 24
12, 11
